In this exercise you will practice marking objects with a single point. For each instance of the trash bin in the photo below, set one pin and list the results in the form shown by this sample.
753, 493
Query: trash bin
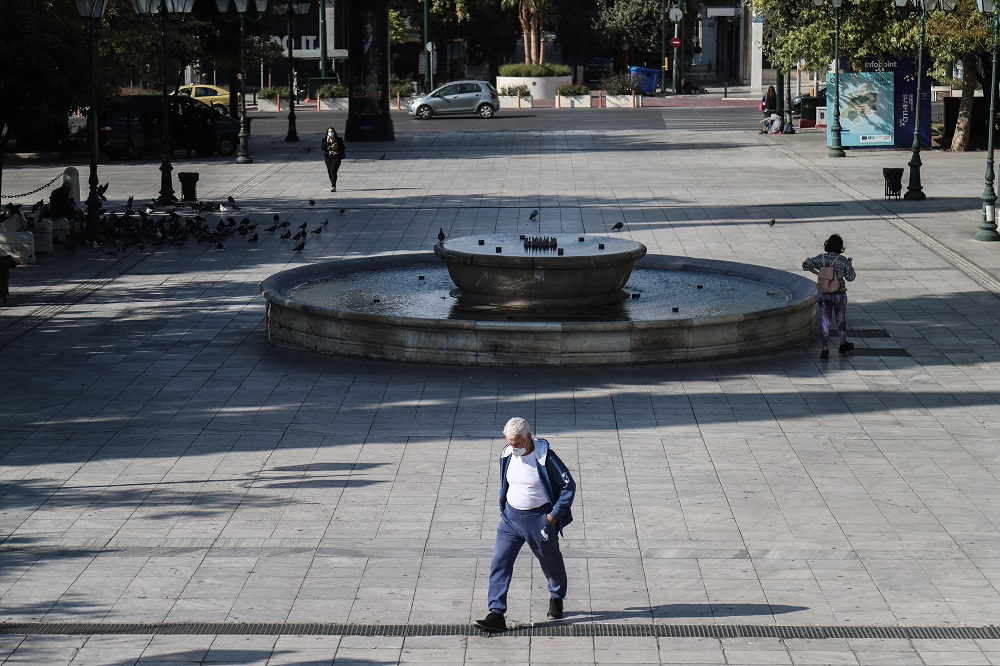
807, 115
189, 187
648, 78
893, 182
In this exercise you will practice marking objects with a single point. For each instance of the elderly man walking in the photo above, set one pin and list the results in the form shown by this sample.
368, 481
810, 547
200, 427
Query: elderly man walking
536, 493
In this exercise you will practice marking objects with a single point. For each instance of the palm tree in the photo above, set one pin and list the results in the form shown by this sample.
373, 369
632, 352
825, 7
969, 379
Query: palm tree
530, 13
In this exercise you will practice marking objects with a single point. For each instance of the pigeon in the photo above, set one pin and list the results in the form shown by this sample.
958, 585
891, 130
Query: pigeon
299, 247
299, 235
770, 222
441, 235
253, 239
318, 230
128, 205
148, 210
341, 211
534, 215
312, 202
219, 245
326, 222
303, 226
142, 248
287, 234
382, 157
223, 209
276, 217
307, 150
271, 229
232, 202
284, 225
102, 191
617, 225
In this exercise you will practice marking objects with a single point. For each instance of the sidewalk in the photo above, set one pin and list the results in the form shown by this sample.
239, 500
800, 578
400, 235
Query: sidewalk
163, 467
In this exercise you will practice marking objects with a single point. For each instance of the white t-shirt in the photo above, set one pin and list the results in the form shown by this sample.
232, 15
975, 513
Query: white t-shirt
525, 489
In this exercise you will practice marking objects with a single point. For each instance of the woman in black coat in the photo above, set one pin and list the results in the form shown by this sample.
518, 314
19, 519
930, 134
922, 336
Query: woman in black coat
333, 153
770, 101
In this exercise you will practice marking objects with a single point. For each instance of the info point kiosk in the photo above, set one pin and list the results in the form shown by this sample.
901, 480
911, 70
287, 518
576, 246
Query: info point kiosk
368, 116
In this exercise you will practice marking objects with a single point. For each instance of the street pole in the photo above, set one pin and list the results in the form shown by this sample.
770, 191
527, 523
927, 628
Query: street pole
243, 154
914, 190
663, 47
166, 181
988, 224
427, 51
94, 199
676, 68
322, 38
836, 147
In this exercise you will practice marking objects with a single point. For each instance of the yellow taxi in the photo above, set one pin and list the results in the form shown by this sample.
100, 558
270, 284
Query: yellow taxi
215, 97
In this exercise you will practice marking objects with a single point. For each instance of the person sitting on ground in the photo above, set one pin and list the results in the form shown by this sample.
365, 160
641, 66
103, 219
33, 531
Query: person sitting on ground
773, 124
60, 204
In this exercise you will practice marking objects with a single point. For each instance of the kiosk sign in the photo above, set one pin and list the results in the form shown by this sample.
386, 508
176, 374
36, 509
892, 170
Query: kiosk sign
867, 109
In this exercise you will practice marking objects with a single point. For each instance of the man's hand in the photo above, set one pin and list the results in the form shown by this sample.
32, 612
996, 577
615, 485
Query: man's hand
552, 520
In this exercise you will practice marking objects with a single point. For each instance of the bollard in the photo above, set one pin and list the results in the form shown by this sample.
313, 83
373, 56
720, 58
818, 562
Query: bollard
279, 102
318, 107
519, 99
725, 90
399, 100
189, 188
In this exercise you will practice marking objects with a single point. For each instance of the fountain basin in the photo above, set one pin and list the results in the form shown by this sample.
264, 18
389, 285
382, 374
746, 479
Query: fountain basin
370, 329
570, 271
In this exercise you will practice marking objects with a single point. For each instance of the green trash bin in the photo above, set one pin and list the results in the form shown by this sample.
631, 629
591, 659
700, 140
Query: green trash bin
808, 113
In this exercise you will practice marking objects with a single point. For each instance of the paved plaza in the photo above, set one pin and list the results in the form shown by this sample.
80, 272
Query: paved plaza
175, 489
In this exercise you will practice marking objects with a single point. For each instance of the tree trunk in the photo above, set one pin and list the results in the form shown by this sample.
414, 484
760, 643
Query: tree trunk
525, 19
960, 140
540, 32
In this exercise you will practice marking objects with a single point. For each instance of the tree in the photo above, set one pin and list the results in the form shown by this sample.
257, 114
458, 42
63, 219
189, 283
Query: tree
637, 24
530, 13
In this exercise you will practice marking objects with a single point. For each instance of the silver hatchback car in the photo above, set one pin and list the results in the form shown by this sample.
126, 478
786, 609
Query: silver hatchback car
478, 97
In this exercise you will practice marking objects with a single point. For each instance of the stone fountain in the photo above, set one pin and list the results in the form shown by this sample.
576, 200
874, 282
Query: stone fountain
505, 299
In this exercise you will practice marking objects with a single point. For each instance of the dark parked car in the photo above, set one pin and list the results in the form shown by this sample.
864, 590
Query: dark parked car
132, 127
596, 69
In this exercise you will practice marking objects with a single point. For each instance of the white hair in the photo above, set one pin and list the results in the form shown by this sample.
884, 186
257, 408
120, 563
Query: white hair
516, 427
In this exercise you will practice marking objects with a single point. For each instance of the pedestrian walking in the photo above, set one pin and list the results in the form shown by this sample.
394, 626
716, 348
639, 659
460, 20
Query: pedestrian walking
834, 271
333, 154
536, 494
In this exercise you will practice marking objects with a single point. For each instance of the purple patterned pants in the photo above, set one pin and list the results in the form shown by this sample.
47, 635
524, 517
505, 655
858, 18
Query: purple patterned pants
830, 304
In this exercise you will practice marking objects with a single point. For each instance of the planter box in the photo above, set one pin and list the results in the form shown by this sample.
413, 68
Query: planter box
573, 102
541, 87
333, 104
508, 102
267, 105
622, 101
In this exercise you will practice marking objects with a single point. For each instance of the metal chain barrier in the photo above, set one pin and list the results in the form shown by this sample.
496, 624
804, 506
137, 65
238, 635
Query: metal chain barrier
39, 189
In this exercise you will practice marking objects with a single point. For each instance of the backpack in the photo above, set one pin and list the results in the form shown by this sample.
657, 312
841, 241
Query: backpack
826, 280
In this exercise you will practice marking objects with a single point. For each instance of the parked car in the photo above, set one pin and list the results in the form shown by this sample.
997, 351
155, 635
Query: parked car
797, 101
478, 97
215, 97
131, 127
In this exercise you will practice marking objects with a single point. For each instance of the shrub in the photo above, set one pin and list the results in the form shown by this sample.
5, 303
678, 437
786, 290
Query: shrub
401, 88
523, 69
514, 91
572, 90
272, 93
331, 91
621, 84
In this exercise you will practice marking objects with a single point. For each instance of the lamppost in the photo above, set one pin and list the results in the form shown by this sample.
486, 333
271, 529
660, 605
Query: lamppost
242, 6
290, 8
836, 147
164, 7
988, 225
914, 191
93, 11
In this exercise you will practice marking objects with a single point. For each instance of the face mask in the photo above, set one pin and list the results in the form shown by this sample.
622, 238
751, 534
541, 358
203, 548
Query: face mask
518, 452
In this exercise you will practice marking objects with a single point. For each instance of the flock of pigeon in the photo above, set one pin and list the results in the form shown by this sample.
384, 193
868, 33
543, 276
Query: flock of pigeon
146, 229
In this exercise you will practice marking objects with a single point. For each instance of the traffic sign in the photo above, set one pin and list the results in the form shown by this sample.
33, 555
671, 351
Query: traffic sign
676, 15
675, 42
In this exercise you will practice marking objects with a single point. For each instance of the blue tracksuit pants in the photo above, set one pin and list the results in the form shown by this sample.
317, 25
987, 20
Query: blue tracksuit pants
516, 528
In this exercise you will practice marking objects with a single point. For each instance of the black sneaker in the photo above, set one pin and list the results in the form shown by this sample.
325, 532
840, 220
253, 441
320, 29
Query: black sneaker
825, 353
555, 609
492, 622
846, 347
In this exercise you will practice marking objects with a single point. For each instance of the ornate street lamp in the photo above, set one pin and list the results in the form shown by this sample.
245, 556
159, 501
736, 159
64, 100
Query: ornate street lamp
164, 7
93, 11
914, 191
988, 225
242, 7
289, 8
836, 148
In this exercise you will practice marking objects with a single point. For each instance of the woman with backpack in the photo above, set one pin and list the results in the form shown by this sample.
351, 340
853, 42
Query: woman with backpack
833, 271
333, 154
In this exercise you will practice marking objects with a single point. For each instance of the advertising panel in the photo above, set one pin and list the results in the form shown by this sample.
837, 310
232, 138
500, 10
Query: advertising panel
867, 109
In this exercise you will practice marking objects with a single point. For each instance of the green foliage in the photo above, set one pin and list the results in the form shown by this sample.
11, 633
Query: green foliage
330, 91
633, 22
272, 93
572, 90
621, 84
534, 71
399, 88
514, 91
